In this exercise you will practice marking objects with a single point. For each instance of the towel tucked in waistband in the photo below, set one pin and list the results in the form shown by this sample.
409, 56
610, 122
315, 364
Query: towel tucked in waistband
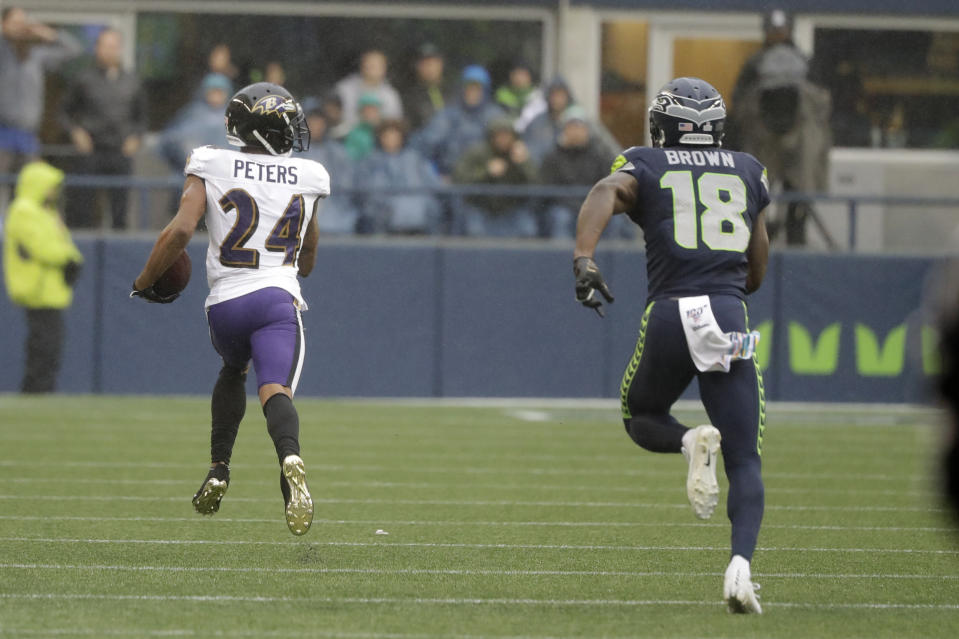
711, 349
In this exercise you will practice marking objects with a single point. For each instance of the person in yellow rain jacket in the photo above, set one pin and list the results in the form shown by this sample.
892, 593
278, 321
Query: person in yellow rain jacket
40, 265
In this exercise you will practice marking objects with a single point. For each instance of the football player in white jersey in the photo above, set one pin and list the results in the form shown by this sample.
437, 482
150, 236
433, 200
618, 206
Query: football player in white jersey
260, 205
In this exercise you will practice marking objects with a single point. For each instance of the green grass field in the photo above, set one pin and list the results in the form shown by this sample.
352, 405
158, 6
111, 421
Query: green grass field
502, 521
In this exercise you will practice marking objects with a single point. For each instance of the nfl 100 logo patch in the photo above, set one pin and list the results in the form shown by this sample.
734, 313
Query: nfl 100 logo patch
696, 314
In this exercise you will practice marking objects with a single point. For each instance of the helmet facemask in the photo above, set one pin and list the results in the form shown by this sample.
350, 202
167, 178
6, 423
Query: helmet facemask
301, 130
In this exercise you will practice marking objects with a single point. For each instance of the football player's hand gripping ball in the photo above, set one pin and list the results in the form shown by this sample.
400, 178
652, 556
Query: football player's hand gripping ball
588, 281
150, 295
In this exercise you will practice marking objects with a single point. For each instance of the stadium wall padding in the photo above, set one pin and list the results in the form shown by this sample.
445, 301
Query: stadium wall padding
459, 320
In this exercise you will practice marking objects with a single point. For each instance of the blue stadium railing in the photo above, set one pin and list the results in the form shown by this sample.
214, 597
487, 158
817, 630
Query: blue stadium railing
142, 187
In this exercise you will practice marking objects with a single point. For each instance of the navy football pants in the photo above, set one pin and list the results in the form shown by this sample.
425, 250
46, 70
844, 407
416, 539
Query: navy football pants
658, 373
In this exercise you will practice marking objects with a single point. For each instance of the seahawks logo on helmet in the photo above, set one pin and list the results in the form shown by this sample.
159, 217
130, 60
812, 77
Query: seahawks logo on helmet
698, 112
687, 111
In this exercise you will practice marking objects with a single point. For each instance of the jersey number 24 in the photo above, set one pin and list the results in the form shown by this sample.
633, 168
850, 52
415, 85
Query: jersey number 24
285, 236
723, 196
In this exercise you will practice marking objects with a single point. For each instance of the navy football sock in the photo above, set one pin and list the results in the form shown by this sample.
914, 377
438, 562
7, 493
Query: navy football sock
283, 424
657, 434
227, 408
745, 505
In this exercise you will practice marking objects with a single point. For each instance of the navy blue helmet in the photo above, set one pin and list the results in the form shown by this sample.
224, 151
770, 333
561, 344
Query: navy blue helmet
687, 111
266, 116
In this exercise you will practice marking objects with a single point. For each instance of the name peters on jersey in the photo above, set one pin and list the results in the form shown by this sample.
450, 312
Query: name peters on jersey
273, 173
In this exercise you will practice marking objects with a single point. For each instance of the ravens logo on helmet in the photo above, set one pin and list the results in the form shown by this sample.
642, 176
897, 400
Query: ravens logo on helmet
264, 115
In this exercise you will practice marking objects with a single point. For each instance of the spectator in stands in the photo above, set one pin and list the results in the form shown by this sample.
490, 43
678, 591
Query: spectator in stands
578, 157
545, 122
427, 95
27, 49
782, 118
361, 139
502, 160
104, 111
390, 171
459, 125
199, 123
272, 72
519, 90
275, 73
338, 212
371, 78
40, 265
332, 107
541, 131
220, 61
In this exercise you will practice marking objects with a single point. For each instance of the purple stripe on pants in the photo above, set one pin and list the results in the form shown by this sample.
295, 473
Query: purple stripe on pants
262, 325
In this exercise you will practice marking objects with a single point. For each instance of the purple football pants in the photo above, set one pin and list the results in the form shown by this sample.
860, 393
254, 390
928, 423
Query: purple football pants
263, 325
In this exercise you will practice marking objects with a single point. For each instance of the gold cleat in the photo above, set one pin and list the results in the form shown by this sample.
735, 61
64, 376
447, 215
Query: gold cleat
207, 499
299, 504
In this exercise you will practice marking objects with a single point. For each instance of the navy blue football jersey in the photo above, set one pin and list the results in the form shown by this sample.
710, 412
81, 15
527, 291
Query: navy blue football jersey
697, 208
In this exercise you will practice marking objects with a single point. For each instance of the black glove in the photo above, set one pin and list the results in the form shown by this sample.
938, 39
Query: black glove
588, 281
152, 296
71, 272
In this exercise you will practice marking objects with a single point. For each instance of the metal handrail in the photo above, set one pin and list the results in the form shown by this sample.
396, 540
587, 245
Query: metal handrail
526, 190
142, 185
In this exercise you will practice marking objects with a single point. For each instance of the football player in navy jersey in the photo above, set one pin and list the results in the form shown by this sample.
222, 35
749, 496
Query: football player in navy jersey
701, 209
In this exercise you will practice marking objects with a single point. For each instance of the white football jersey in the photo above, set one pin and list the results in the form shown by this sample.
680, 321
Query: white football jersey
258, 208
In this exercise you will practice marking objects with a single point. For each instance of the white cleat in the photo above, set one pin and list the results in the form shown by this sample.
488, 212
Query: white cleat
701, 448
299, 504
739, 591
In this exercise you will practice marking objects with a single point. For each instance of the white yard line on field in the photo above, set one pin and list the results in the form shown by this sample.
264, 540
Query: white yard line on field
460, 571
467, 470
457, 502
446, 485
504, 524
452, 601
359, 544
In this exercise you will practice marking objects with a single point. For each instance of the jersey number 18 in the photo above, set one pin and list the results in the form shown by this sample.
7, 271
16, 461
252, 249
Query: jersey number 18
722, 225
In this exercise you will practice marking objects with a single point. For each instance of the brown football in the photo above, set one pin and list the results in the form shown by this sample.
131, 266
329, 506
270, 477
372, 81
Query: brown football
175, 278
